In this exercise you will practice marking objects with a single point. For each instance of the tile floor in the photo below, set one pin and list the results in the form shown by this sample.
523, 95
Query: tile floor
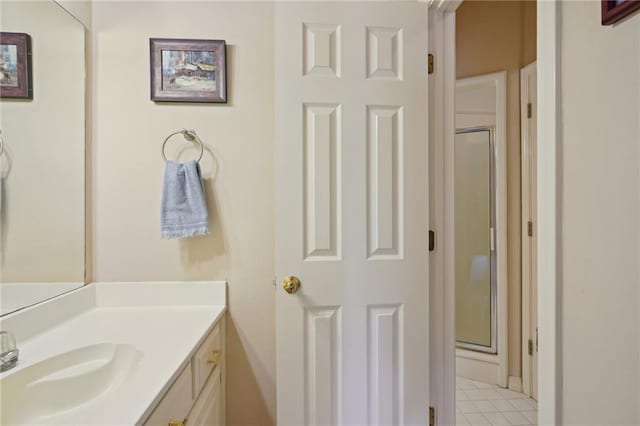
483, 404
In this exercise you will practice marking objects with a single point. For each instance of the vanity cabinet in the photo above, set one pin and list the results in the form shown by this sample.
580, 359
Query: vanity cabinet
196, 397
207, 409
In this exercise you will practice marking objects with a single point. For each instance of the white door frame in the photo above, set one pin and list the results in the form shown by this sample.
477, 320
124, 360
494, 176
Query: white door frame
442, 118
527, 214
442, 84
549, 367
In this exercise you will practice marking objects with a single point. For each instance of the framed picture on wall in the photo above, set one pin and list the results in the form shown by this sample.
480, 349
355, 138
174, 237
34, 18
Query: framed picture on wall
615, 10
188, 70
15, 66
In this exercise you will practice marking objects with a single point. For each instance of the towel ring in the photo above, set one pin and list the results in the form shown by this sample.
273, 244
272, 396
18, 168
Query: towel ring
189, 135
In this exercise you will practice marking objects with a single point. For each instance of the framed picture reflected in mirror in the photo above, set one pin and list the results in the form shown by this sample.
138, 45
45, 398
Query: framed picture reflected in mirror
615, 10
15, 66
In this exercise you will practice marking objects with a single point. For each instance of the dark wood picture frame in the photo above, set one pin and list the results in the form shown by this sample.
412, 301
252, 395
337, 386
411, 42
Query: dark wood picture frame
24, 88
160, 93
613, 11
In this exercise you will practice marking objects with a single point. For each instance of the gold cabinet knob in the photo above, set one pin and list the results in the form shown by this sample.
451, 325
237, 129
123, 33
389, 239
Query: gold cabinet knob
215, 357
291, 284
176, 422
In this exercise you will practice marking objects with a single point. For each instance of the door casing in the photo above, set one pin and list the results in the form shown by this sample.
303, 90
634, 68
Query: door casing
442, 133
528, 197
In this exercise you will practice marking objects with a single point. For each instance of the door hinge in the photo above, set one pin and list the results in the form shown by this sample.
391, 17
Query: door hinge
430, 63
529, 110
530, 347
432, 240
530, 229
536, 339
432, 416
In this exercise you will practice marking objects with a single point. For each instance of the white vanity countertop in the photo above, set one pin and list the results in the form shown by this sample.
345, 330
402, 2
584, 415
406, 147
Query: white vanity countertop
165, 322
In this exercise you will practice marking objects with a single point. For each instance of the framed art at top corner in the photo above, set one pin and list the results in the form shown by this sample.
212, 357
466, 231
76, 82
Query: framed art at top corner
616, 10
15, 66
188, 70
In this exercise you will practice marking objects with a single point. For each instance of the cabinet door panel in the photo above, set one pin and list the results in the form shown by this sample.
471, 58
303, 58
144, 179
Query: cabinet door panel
208, 356
207, 409
176, 403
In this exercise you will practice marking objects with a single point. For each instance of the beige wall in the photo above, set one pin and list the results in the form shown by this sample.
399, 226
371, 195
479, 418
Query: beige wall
600, 210
42, 232
128, 130
493, 36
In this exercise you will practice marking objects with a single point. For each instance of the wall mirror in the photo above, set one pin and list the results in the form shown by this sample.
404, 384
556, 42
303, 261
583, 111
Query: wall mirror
42, 165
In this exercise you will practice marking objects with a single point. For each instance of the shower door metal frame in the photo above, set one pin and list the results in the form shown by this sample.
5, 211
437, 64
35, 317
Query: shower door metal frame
493, 249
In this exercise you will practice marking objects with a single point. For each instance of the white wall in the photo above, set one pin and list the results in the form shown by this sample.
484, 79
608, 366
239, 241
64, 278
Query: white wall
42, 234
600, 217
128, 130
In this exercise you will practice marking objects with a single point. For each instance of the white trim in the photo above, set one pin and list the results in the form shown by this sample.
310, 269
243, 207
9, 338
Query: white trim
442, 27
549, 374
515, 384
527, 305
499, 81
478, 366
443, 5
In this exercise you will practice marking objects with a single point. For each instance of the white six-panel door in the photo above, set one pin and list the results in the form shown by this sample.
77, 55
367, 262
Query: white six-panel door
352, 213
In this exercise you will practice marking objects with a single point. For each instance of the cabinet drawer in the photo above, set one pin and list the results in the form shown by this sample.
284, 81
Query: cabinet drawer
176, 403
208, 357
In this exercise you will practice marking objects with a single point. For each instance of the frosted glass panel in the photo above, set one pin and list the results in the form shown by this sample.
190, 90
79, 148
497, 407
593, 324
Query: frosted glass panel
473, 224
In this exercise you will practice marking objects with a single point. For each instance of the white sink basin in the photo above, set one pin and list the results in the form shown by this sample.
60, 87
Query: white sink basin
39, 393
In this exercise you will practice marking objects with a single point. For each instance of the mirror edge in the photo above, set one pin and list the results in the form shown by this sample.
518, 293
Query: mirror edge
79, 9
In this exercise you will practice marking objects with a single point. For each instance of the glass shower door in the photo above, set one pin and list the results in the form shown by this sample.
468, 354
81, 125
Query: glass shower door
475, 263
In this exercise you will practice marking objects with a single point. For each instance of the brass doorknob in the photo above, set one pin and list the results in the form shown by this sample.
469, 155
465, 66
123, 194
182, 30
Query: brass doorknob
291, 284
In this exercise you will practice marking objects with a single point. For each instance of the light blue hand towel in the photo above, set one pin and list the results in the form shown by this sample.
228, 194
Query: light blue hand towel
183, 212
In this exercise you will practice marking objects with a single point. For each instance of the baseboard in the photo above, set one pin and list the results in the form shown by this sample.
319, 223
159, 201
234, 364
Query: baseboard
477, 366
515, 383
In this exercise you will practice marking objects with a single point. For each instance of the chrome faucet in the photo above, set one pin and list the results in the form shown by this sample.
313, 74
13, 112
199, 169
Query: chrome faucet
8, 351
